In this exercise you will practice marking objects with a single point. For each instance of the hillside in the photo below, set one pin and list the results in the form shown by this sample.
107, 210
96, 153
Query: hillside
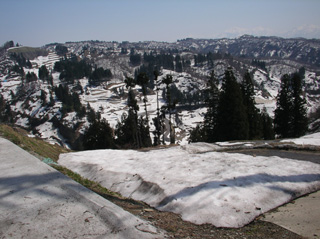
34, 105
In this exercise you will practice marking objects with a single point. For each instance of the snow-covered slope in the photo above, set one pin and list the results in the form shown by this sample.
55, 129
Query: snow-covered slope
204, 186
109, 98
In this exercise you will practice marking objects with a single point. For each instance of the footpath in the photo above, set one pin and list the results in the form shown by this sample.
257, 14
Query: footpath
36, 201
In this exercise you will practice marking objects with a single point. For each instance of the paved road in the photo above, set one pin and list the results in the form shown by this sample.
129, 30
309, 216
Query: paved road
37, 201
312, 156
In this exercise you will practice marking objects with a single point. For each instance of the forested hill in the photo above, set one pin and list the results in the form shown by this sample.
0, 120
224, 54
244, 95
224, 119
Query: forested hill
304, 51
60, 90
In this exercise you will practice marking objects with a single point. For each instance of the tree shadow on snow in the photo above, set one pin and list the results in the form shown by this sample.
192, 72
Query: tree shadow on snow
246, 181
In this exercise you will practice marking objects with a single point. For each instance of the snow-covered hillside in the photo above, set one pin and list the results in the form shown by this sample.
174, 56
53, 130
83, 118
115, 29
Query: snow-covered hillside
109, 99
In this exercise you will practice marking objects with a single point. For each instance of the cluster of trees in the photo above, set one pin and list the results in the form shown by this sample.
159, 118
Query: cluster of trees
133, 130
6, 115
43, 74
153, 62
70, 101
135, 58
61, 50
72, 69
21, 60
18, 69
31, 76
232, 114
166, 60
99, 75
208, 59
259, 64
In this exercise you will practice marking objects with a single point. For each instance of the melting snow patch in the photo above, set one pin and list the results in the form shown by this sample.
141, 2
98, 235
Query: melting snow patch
311, 139
226, 190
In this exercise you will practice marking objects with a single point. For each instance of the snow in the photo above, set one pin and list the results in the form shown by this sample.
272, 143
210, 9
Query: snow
200, 184
311, 139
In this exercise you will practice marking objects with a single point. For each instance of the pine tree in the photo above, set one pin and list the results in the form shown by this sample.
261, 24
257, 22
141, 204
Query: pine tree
132, 119
43, 73
300, 120
99, 136
210, 118
142, 80
232, 121
43, 97
157, 120
167, 81
255, 127
127, 135
283, 118
132, 132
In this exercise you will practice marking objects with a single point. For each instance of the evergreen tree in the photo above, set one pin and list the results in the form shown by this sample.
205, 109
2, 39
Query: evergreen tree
178, 63
99, 75
135, 59
255, 126
232, 121
210, 118
198, 134
43, 73
128, 130
142, 80
157, 120
18, 69
28, 64
2, 108
43, 97
99, 136
300, 120
31, 77
283, 118
169, 107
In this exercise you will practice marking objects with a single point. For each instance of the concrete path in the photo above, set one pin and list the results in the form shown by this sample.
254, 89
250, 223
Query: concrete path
37, 201
301, 216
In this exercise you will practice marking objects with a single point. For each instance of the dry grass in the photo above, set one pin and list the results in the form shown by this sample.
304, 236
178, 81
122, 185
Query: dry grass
33, 145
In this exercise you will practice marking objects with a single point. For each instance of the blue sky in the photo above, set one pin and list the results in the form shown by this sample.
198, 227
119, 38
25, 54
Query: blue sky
39, 22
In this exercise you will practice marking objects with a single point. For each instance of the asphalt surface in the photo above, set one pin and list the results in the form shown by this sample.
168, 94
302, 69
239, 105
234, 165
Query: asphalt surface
311, 156
36, 201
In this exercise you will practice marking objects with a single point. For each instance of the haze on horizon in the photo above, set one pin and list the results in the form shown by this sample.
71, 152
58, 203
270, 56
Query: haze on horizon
39, 22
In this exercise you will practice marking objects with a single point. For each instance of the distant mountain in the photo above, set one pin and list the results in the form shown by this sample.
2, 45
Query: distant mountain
304, 51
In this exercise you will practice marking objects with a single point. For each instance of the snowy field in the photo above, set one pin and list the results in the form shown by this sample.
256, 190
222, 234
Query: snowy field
203, 186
